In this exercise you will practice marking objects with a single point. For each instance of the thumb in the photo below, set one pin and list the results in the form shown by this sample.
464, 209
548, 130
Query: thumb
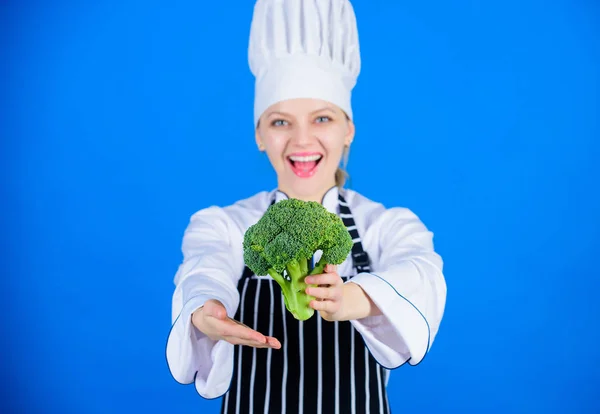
331, 268
215, 309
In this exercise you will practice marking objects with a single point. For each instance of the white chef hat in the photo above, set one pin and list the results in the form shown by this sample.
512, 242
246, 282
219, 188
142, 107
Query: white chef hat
303, 49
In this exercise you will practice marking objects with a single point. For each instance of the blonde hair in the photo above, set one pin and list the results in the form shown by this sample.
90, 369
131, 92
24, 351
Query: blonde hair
341, 175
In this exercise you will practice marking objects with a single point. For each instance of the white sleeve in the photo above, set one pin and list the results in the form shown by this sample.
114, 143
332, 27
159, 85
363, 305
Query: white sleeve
409, 288
210, 269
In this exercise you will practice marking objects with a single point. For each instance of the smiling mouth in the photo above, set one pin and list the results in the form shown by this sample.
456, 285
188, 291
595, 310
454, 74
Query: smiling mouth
305, 165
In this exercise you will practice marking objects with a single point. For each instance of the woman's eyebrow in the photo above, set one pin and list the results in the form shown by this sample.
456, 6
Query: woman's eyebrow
325, 108
277, 113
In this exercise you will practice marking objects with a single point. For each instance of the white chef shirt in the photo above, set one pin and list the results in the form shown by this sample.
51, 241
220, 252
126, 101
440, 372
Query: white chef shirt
406, 283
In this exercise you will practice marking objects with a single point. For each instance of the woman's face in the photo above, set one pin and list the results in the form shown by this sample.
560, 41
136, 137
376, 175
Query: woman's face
304, 140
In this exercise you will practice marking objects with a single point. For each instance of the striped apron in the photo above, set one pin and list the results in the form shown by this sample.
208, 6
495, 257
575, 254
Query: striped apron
322, 367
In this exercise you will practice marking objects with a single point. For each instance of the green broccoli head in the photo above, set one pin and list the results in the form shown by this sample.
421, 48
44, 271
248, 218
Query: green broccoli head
283, 242
336, 245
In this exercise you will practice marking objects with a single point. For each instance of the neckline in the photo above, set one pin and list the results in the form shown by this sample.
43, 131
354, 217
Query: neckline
329, 200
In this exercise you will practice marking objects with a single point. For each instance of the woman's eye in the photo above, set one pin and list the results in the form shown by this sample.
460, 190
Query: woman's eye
278, 122
323, 119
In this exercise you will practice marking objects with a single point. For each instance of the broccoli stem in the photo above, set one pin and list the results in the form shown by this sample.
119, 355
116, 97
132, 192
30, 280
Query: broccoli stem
319, 267
278, 278
283, 283
303, 266
299, 301
294, 290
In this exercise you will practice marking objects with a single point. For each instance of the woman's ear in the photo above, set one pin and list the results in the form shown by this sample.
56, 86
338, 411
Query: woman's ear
350, 134
258, 139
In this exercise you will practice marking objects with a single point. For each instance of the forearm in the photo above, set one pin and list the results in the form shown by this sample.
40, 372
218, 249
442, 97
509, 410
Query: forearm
357, 304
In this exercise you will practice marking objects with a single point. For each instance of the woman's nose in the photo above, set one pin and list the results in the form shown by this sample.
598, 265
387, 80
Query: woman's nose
302, 136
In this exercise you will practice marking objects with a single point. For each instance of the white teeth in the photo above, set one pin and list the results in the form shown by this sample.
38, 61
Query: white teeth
306, 159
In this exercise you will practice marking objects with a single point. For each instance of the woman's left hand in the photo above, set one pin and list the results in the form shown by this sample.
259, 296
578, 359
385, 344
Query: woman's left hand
329, 294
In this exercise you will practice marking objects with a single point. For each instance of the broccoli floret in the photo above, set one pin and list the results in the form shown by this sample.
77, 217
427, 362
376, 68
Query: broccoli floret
283, 242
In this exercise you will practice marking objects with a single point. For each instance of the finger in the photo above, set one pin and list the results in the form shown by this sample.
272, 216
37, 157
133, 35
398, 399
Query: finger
239, 323
324, 293
325, 306
270, 343
249, 335
331, 268
236, 329
235, 340
273, 342
324, 279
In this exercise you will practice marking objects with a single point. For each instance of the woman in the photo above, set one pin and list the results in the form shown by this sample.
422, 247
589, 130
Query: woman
382, 307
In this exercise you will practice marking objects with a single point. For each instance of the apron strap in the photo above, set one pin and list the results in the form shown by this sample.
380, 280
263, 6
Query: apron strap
360, 258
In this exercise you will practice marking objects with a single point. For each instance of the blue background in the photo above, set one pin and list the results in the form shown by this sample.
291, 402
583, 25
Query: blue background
121, 119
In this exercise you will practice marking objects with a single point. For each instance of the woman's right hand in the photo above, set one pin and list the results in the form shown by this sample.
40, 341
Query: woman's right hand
212, 320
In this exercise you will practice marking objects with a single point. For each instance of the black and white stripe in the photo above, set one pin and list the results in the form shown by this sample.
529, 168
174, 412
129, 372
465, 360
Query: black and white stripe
323, 367
360, 258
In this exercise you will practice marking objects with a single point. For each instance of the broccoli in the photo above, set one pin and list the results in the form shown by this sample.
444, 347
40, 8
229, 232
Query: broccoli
283, 242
